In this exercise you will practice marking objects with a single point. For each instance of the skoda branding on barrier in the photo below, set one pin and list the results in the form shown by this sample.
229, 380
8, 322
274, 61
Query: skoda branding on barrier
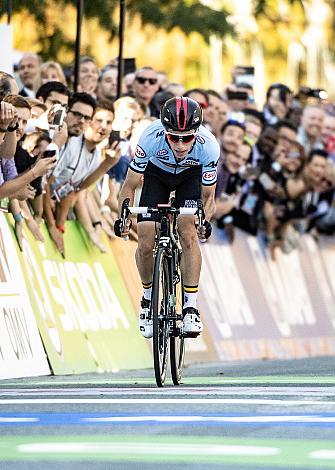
21, 350
81, 305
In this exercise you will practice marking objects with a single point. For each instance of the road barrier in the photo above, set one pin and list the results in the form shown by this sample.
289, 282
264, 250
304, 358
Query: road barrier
79, 314
255, 308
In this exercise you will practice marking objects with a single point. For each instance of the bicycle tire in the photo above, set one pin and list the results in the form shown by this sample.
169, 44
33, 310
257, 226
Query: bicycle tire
177, 343
159, 310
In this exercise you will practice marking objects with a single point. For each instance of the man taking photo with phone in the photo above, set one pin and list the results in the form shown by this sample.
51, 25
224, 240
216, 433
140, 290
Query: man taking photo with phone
80, 164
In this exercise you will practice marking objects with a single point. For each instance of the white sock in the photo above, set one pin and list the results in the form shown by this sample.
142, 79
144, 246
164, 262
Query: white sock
190, 299
147, 292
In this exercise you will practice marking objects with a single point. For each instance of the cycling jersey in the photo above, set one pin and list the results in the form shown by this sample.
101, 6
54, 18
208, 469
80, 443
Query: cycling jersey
154, 147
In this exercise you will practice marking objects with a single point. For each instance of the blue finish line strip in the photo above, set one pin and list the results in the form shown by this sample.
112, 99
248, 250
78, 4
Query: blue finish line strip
66, 419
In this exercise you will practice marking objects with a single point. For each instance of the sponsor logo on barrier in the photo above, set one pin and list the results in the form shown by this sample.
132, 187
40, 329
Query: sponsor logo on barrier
83, 294
82, 307
225, 297
281, 277
18, 334
265, 308
21, 350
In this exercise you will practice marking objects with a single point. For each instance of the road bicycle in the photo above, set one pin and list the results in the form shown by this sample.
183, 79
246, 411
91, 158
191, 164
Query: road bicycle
167, 287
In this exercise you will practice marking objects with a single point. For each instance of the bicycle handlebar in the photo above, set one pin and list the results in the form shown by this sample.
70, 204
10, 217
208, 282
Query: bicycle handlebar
160, 209
157, 210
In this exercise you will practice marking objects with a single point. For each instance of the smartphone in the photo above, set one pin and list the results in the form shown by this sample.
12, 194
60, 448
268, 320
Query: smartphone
266, 181
244, 74
250, 172
114, 137
49, 153
129, 65
237, 95
59, 116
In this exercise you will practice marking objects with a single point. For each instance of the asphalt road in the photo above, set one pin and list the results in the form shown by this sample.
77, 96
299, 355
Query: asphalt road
247, 415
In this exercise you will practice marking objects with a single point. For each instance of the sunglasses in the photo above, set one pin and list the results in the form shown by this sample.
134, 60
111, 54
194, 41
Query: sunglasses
186, 138
80, 116
142, 80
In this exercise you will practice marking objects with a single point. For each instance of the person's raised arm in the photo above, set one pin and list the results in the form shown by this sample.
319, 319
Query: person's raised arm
8, 122
111, 159
11, 187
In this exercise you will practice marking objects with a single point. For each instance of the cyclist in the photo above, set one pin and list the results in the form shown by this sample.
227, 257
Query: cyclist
175, 153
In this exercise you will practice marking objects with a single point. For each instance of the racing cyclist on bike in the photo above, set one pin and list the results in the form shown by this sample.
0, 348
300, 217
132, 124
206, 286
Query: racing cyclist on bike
175, 153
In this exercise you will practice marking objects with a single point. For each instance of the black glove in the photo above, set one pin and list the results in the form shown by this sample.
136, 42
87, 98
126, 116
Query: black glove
118, 227
208, 229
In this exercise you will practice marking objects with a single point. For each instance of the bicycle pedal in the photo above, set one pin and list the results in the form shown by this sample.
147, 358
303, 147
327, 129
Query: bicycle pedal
190, 335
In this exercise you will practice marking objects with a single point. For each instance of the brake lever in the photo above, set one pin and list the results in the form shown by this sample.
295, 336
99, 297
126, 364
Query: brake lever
125, 212
201, 218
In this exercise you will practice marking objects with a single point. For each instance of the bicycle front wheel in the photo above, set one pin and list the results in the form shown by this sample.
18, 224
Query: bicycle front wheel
177, 341
160, 312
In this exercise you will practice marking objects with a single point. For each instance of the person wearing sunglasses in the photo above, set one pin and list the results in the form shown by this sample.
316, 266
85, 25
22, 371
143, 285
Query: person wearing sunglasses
145, 86
176, 153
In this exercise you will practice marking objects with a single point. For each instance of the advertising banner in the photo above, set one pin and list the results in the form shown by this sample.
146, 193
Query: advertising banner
254, 307
21, 349
124, 253
83, 310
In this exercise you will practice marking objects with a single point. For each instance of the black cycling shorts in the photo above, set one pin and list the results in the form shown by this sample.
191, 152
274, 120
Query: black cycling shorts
158, 185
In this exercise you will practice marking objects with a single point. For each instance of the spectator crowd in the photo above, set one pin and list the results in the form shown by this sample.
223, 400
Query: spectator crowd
64, 155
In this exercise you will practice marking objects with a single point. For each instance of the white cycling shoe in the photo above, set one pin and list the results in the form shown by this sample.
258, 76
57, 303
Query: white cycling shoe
145, 324
192, 325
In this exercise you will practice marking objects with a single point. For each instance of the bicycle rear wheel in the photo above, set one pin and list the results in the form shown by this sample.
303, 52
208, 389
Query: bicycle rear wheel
177, 342
160, 311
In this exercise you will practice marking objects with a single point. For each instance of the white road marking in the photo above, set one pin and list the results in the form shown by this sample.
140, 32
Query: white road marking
18, 420
146, 448
322, 454
216, 391
165, 401
219, 419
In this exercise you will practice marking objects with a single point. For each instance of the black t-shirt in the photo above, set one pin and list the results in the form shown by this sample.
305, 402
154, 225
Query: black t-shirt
23, 162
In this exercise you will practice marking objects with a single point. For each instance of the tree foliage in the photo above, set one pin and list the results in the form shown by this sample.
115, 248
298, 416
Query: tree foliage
188, 15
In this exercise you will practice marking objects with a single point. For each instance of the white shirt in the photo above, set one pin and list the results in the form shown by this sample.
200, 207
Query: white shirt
75, 162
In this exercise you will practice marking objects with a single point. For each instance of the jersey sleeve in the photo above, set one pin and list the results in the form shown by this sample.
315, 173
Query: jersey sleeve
141, 157
210, 162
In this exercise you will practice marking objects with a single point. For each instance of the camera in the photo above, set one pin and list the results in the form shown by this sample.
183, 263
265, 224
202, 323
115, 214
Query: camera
318, 93
62, 191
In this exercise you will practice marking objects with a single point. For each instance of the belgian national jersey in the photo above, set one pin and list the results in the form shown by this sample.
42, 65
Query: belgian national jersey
154, 147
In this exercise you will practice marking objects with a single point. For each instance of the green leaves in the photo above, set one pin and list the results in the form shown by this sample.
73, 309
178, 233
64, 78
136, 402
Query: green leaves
189, 15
